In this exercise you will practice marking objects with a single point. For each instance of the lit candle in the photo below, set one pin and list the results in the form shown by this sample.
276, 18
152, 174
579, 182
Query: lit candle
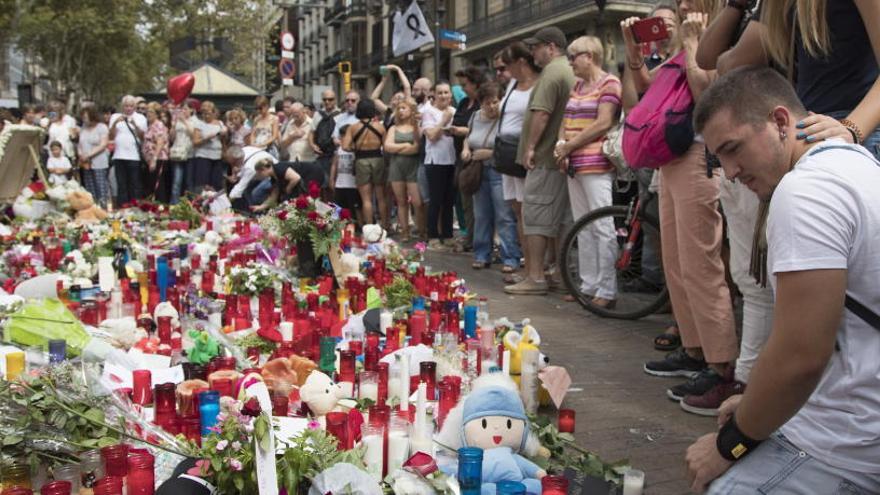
566, 421
633, 482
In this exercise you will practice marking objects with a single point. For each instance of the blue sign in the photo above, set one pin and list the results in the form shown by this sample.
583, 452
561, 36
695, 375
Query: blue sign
448, 35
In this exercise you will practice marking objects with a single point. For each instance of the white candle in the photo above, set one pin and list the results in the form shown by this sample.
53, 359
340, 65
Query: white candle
394, 389
385, 321
398, 449
420, 424
286, 330
369, 391
106, 274
633, 482
373, 455
403, 392
348, 388
505, 367
421, 443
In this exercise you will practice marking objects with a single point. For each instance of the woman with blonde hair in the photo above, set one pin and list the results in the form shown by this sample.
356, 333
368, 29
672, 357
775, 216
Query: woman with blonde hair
592, 109
265, 130
402, 144
208, 167
239, 130
691, 227
830, 52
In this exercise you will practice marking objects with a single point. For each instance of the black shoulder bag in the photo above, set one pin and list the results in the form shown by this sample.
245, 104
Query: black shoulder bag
504, 151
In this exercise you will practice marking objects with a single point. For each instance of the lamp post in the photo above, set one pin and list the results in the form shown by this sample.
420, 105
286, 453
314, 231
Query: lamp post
439, 12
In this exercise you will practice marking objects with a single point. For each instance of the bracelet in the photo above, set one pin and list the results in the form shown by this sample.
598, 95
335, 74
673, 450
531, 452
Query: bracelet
853, 129
733, 444
638, 67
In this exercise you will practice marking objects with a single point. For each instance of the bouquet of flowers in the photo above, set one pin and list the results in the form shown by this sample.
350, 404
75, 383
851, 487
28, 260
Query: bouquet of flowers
308, 218
251, 279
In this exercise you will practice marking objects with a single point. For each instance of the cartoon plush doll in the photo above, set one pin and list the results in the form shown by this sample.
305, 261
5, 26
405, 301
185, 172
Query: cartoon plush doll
321, 394
492, 418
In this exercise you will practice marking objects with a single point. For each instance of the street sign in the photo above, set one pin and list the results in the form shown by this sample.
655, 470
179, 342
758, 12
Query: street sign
287, 41
452, 40
287, 54
287, 68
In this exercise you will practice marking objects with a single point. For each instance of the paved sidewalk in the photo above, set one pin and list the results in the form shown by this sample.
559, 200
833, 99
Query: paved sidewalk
621, 411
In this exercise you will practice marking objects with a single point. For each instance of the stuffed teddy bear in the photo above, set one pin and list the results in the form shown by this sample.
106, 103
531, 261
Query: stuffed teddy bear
320, 394
494, 398
84, 205
303, 367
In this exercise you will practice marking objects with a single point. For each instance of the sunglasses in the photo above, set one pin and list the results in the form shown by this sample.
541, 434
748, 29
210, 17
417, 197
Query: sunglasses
572, 57
351, 100
329, 99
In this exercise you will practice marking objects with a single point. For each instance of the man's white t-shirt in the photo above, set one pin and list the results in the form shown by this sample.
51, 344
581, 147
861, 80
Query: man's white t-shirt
441, 151
125, 147
342, 120
825, 214
345, 178
252, 156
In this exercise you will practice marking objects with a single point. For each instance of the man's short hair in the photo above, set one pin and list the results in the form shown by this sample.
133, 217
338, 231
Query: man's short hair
475, 75
290, 99
751, 93
234, 152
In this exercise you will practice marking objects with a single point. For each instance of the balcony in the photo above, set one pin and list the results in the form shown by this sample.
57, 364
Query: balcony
346, 10
523, 15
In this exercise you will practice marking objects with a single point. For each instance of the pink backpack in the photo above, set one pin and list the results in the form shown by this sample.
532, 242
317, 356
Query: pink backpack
659, 127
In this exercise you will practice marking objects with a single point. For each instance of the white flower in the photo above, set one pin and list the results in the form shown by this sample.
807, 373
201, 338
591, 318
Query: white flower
222, 444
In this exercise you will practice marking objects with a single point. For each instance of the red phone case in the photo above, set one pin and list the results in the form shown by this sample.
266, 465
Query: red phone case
648, 30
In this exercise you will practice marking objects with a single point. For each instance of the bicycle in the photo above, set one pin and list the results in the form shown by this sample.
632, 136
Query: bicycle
633, 226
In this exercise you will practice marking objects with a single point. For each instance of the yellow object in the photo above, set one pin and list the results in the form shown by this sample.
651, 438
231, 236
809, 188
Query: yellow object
144, 286
345, 69
517, 342
543, 394
14, 365
344, 308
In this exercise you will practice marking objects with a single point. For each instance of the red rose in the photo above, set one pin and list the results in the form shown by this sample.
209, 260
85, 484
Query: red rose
301, 203
251, 408
344, 214
312, 215
314, 190
282, 215
321, 225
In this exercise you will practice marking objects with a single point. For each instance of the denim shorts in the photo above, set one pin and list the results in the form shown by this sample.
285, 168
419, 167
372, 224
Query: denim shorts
778, 466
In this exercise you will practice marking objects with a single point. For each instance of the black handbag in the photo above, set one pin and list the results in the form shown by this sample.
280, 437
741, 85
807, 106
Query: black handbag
504, 151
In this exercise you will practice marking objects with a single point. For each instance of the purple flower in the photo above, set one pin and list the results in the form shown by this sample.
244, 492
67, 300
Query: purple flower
314, 425
235, 464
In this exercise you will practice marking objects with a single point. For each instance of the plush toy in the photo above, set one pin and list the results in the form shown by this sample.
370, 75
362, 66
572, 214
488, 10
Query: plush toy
377, 241
279, 375
494, 397
204, 348
320, 394
84, 205
518, 342
345, 265
303, 367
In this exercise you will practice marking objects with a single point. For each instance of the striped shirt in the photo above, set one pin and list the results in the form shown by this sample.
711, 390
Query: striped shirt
580, 112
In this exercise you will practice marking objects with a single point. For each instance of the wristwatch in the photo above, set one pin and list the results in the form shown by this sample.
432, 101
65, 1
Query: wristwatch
733, 444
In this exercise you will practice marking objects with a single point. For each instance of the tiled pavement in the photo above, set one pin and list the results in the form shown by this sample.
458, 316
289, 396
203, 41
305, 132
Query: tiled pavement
621, 411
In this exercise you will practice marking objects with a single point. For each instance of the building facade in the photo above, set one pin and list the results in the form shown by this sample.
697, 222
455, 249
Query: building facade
359, 32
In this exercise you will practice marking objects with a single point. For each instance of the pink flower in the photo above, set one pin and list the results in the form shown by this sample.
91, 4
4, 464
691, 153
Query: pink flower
420, 247
235, 464
221, 445
314, 425
201, 469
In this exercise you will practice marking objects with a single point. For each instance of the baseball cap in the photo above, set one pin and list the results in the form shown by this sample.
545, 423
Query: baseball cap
551, 34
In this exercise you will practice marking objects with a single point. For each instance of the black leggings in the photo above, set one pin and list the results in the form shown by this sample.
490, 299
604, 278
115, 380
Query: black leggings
442, 193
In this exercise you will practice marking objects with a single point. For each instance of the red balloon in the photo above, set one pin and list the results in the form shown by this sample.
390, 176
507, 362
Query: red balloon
180, 87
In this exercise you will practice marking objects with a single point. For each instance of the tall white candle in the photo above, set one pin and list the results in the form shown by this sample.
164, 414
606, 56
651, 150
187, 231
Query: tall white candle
404, 383
373, 455
386, 319
106, 274
421, 410
505, 367
398, 449
633, 482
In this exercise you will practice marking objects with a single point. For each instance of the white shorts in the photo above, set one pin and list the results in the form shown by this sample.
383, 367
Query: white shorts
513, 187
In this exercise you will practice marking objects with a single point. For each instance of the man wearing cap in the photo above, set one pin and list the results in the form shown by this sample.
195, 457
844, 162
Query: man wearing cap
545, 204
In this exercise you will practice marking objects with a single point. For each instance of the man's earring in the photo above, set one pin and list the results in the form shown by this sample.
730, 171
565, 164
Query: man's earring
782, 135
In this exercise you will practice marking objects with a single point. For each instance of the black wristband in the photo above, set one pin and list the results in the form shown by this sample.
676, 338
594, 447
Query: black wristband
733, 444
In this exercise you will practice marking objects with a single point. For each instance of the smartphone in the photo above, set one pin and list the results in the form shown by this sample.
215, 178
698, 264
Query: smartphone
651, 29
383, 69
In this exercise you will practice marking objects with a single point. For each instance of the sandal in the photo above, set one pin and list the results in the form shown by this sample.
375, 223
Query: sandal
478, 265
607, 304
569, 298
508, 269
667, 341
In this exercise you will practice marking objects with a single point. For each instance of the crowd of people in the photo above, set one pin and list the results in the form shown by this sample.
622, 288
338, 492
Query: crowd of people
784, 101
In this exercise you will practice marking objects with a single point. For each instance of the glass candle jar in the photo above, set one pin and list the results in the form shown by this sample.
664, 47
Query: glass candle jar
115, 460
70, 473
57, 350
554, 485
58, 487
327, 362
108, 485
91, 467
337, 425
470, 470
373, 439
508, 487
142, 387
16, 475
368, 386
141, 478
165, 399
428, 375
209, 409
566, 421
14, 365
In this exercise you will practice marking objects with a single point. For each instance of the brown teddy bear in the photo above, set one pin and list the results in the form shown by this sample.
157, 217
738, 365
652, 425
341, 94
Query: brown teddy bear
84, 205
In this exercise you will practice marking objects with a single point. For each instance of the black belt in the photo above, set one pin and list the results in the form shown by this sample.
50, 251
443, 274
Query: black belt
367, 154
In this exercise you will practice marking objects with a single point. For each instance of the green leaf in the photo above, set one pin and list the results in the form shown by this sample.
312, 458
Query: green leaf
94, 415
239, 484
12, 440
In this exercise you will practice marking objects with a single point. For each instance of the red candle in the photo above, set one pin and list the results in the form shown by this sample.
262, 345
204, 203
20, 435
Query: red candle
416, 326
164, 329
383, 382
566, 421
142, 387
337, 425
554, 485
428, 374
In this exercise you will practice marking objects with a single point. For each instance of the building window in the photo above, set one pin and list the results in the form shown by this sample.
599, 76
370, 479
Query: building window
479, 9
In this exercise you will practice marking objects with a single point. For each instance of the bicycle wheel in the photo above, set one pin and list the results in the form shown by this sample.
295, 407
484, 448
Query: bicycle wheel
630, 236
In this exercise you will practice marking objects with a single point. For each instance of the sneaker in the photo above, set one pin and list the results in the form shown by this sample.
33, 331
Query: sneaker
640, 285
676, 363
698, 385
708, 403
527, 287
437, 245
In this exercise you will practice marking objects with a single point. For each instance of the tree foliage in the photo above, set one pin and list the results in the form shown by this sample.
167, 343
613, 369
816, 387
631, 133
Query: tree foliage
102, 49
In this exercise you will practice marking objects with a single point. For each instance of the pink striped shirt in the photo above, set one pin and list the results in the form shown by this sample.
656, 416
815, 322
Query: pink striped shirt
580, 112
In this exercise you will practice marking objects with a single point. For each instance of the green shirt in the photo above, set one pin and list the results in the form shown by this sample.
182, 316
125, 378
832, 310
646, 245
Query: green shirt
550, 95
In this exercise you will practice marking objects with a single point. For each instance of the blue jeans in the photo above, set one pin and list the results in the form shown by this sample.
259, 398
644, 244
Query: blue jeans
178, 171
260, 192
872, 140
493, 214
779, 466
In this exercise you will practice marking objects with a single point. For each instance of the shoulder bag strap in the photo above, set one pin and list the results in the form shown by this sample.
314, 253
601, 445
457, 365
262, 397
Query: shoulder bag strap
506, 99
136, 140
